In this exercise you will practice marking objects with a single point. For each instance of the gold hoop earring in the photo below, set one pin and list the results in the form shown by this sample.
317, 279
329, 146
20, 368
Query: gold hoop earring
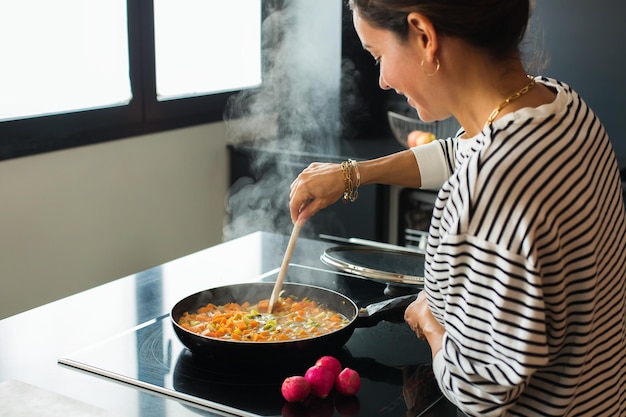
431, 74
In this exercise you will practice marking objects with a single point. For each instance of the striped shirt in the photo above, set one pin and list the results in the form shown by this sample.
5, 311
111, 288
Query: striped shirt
526, 265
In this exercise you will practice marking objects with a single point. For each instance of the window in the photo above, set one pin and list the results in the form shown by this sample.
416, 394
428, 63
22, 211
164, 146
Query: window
212, 34
50, 63
78, 72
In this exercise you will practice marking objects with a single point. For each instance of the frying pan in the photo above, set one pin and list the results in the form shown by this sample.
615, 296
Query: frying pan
253, 352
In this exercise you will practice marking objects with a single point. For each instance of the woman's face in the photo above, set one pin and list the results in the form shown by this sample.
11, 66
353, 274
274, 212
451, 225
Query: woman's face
399, 64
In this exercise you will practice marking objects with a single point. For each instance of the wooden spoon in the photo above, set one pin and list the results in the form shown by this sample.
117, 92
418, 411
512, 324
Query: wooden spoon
283, 268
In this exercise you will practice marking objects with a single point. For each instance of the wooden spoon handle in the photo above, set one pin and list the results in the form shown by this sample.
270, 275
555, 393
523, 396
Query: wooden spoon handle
283, 268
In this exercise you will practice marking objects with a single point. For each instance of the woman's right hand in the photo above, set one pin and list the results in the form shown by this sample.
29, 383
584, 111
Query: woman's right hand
317, 187
322, 184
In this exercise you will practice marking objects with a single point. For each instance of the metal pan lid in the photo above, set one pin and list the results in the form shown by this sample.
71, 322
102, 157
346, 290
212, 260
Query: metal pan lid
386, 265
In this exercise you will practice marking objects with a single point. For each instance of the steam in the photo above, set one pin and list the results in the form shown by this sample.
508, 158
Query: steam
295, 112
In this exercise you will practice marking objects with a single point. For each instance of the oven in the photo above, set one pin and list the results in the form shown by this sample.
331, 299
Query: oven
410, 211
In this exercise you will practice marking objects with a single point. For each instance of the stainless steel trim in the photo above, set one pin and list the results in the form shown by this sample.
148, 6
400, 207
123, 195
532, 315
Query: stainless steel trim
373, 243
386, 276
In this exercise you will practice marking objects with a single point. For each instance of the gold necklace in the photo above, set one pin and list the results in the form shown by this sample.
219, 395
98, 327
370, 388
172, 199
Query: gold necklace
511, 98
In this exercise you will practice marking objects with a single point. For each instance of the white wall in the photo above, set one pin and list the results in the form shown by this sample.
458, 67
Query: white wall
77, 218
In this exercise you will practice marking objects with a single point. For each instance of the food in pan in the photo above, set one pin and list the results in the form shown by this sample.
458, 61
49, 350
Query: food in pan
291, 319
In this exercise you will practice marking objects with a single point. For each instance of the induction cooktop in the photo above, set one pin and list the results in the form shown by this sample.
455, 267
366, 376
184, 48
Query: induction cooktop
396, 376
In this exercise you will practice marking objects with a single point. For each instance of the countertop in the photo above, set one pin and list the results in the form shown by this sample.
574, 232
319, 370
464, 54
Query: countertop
32, 342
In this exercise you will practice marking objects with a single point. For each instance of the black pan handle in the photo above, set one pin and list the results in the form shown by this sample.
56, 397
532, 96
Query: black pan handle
391, 309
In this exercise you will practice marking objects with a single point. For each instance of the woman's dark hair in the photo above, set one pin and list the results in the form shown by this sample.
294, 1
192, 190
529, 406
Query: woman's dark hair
496, 26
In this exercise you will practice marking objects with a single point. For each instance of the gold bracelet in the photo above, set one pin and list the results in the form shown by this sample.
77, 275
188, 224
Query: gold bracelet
347, 181
357, 174
350, 169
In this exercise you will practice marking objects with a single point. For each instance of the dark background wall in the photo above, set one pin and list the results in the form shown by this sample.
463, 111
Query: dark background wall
584, 45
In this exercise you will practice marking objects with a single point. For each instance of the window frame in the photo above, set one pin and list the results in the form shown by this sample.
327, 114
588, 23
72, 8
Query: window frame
144, 114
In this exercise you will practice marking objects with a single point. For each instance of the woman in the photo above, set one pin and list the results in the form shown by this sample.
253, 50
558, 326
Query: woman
524, 298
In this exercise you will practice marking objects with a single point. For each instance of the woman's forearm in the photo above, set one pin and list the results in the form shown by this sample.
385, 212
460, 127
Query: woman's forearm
396, 169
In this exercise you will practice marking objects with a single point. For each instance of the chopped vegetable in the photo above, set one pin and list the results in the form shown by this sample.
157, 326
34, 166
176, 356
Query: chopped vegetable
290, 320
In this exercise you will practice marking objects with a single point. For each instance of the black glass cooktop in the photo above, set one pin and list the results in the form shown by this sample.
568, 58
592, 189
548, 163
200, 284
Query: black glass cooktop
395, 368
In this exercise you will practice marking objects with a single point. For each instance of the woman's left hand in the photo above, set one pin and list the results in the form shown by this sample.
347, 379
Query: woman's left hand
421, 320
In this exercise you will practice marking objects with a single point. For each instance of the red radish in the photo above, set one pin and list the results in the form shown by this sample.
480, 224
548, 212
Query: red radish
348, 382
295, 389
331, 363
321, 380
